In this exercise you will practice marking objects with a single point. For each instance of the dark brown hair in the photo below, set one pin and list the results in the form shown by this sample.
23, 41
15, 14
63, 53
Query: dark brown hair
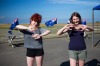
77, 15
37, 18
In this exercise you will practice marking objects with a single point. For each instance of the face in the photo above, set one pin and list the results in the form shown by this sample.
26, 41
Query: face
33, 23
75, 20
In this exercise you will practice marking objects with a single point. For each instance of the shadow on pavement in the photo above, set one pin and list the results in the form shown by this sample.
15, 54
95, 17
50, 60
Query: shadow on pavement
19, 44
93, 62
16, 45
67, 63
97, 43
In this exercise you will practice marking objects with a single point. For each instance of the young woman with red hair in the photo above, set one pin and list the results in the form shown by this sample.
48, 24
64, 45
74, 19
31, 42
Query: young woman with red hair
33, 40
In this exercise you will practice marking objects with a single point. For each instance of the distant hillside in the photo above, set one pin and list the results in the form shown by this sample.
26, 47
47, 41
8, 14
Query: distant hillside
6, 26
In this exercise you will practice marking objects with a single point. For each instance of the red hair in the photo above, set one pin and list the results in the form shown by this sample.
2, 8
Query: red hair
36, 17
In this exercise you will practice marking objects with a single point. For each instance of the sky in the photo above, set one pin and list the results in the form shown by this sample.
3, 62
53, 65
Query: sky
49, 9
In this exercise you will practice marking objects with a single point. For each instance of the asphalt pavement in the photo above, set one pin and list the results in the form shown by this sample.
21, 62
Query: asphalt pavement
56, 53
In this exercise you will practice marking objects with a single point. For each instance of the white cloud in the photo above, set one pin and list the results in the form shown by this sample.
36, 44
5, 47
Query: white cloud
74, 2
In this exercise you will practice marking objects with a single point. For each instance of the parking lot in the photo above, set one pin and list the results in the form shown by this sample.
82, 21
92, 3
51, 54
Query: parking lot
56, 53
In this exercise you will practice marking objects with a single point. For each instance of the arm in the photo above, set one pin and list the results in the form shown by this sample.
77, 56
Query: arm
88, 28
45, 33
37, 36
63, 30
22, 27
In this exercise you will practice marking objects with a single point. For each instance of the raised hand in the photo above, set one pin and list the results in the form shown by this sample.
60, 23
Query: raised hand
84, 28
36, 36
71, 26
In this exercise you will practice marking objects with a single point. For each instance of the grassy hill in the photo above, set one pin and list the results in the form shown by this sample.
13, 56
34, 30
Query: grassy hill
5, 27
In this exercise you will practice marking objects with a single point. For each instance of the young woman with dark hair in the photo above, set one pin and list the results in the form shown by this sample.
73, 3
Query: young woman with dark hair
77, 47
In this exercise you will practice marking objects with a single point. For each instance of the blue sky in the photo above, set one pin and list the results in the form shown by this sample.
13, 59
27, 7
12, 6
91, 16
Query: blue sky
49, 9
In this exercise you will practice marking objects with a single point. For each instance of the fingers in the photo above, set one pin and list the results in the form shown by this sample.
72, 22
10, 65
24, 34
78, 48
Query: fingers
36, 36
84, 28
73, 27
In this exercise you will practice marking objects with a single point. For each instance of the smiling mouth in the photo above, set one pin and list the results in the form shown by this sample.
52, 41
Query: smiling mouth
76, 23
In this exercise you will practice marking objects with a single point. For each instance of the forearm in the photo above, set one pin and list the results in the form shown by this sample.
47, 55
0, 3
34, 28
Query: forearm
62, 30
45, 33
88, 28
22, 27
